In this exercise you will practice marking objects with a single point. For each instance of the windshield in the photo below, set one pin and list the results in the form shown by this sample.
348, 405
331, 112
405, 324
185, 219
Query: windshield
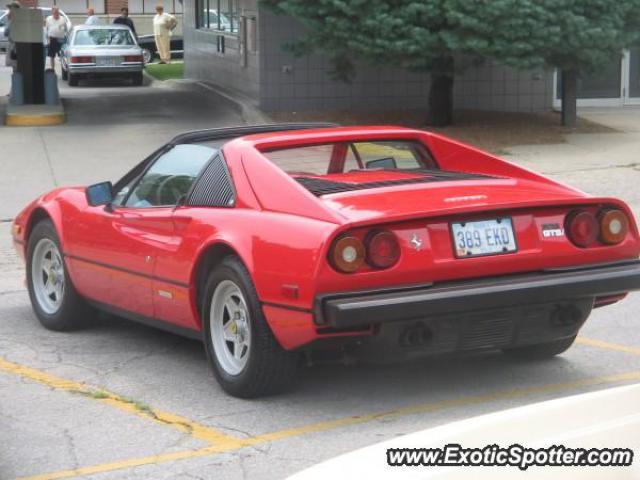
103, 36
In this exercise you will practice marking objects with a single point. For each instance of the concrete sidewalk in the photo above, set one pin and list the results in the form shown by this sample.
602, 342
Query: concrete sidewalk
605, 164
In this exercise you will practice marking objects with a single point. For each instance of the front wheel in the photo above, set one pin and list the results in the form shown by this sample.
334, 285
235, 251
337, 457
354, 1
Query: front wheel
54, 299
541, 350
247, 360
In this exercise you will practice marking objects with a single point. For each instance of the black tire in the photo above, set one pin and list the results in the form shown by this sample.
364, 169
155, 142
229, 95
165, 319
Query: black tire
137, 79
65, 73
73, 311
73, 80
541, 350
269, 368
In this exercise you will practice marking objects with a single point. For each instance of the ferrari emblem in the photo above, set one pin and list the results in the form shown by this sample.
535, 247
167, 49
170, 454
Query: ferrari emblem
416, 242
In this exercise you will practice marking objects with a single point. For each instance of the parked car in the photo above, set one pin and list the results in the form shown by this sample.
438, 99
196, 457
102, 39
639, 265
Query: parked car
149, 49
576, 422
46, 11
267, 241
100, 51
4, 41
220, 21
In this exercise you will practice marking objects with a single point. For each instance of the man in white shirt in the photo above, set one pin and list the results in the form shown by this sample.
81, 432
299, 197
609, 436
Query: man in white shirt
92, 18
56, 28
163, 24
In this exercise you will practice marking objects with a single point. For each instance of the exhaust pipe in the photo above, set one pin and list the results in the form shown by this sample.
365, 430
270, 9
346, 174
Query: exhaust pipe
417, 335
566, 316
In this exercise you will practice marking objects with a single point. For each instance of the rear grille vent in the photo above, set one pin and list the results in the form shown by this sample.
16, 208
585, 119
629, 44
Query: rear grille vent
320, 186
214, 187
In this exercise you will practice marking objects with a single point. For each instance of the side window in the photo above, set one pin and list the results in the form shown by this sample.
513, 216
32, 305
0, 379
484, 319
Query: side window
121, 195
170, 177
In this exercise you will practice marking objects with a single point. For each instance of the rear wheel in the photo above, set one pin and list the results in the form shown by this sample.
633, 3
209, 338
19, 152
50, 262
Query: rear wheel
53, 297
65, 73
541, 350
247, 360
73, 80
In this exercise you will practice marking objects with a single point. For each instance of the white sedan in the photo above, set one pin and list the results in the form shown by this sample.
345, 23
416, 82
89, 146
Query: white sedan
102, 51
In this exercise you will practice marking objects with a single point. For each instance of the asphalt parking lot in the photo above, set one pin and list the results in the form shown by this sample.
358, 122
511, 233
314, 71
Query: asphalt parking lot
118, 400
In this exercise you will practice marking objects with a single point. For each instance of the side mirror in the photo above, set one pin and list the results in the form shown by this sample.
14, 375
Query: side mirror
386, 163
99, 194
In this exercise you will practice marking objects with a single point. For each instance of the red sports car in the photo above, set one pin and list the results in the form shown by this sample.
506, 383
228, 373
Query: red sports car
270, 241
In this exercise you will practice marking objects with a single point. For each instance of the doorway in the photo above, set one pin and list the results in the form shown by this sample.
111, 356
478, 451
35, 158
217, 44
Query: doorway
615, 85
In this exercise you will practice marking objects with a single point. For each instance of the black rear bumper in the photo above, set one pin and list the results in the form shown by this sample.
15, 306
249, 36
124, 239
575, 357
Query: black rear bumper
358, 309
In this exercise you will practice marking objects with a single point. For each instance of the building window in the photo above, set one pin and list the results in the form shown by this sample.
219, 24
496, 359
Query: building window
219, 15
74, 6
149, 6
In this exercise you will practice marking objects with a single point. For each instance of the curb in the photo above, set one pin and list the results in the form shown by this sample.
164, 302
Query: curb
34, 115
244, 105
153, 82
249, 112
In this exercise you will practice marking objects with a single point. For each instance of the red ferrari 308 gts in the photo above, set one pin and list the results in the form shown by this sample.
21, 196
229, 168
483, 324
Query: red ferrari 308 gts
273, 240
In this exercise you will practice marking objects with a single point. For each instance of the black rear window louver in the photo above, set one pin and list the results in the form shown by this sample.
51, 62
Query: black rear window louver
214, 188
320, 186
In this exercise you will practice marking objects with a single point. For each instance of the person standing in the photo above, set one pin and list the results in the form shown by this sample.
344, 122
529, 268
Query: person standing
10, 58
92, 18
163, 24
124, 19
56, 30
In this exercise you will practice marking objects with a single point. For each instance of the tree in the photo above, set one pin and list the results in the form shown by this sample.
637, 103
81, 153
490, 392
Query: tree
575, 36
435, 35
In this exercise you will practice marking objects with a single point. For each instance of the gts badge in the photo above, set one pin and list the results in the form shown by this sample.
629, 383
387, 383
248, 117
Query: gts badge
550, 230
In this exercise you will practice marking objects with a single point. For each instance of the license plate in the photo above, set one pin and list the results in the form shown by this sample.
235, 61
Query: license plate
484, 237
107, 61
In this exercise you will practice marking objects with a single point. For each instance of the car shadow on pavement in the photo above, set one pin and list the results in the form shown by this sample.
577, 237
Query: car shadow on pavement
108, 82
428, 377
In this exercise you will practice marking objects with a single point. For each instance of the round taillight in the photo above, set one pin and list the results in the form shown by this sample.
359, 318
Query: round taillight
347, 254
614, 226
582, 228
383, 250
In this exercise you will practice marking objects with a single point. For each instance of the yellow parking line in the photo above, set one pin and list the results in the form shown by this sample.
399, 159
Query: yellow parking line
445, 404
209, 435
609, 346
133, 462
341, 422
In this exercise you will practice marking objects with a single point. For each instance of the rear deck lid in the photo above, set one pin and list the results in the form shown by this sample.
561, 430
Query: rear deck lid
444, 193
